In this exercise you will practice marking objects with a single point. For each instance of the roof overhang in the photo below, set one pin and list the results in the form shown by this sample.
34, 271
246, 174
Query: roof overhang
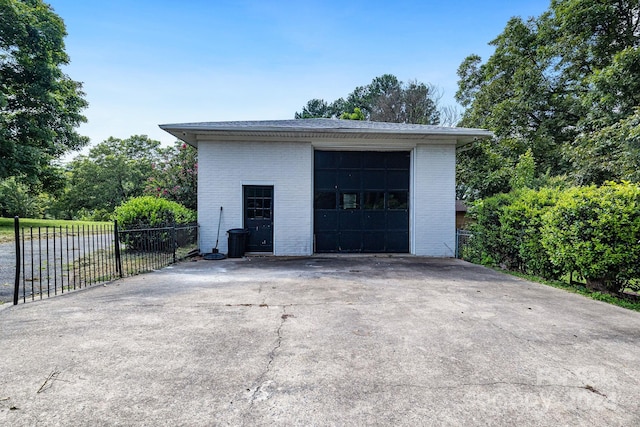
326, 133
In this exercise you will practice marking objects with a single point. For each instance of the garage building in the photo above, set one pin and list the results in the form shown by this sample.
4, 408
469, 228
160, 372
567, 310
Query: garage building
328, 186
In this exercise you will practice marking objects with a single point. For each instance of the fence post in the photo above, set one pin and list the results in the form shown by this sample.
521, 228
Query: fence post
116, 240
16, 289
457, 254
175, 241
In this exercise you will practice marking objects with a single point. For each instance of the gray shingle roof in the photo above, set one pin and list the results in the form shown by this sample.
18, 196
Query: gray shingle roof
319, 124
362, 129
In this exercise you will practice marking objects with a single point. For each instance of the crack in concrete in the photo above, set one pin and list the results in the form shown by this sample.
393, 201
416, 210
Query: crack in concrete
260, 381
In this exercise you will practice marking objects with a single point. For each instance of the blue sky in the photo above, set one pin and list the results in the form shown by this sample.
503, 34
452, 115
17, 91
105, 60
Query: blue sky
146, 62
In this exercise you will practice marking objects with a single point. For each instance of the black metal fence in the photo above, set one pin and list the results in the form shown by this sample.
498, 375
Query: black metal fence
462, 239
55, 260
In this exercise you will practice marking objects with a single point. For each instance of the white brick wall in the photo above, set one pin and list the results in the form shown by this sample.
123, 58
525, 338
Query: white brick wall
224, 168
433, 211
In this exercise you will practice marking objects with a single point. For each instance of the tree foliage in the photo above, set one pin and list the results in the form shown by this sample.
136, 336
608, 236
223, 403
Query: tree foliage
356, 115
524, 172
385, 99
113, 171
17, 199
612, 151
175, 175
551, 85
39, 105
317, 108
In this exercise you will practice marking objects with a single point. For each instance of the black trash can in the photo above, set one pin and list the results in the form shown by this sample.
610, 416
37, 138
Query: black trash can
237, 242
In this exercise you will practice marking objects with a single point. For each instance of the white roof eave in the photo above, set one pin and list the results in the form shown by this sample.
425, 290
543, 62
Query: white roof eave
192, 133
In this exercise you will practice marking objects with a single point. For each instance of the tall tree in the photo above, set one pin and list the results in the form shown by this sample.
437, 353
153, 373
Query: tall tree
385, 99
315, 108
613, 151
175, 175
551, 81
39, 105
113, 171
414, 102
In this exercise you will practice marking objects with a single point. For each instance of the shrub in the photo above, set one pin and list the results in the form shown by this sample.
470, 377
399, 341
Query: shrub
150, 212
521, 223
507, 232
486, 245
85, 214
596, 232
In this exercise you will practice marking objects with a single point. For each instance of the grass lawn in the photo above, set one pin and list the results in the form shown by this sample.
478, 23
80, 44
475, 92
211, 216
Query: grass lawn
629, 301
7, 232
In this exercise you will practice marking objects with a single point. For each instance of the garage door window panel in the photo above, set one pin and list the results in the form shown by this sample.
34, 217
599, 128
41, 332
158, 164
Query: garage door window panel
373, 200
349, 201
398, 200
325, 200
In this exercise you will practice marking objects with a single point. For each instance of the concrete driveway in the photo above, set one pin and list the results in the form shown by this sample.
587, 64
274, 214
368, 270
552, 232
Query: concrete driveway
320, 341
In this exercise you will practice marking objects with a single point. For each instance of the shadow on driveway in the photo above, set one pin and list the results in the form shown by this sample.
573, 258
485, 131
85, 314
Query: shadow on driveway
320, 341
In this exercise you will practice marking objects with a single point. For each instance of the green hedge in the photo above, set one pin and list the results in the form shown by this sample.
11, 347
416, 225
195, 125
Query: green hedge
150, 211
594, 231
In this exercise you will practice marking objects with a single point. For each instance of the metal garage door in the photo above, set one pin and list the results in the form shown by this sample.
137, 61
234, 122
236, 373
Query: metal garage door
361, 201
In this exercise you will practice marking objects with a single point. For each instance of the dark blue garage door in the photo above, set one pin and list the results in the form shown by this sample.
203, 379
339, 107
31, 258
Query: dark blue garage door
361, 201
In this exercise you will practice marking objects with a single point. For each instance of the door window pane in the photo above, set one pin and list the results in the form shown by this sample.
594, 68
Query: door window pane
258, 202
